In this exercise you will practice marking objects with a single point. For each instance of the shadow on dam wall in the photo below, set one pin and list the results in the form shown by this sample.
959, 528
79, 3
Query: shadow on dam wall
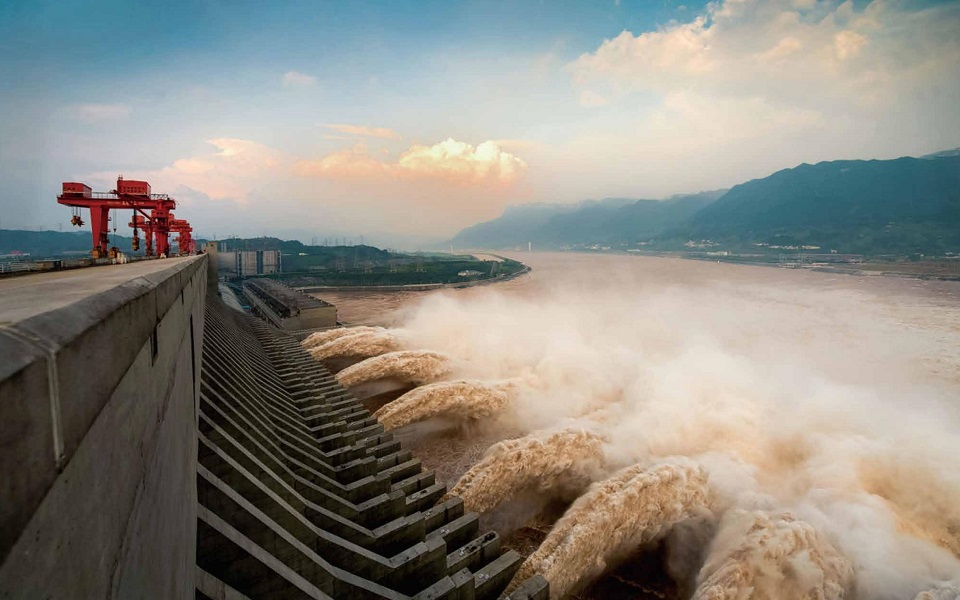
156, 443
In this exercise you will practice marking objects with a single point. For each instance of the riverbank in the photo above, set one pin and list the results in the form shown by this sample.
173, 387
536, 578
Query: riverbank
931, 270
924, 270
414, 287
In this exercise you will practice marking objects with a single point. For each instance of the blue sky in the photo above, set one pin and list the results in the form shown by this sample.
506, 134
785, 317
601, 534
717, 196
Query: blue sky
324, 118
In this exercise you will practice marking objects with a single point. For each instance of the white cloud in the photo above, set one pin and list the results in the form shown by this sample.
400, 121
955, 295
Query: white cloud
449, 161
591, 99
848, 44
688, 121
821, 56
101, 112
297, 79
751, 86
364, 131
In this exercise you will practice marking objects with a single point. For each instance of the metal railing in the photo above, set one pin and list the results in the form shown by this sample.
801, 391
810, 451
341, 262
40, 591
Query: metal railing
23, 266
20, 266
115, 196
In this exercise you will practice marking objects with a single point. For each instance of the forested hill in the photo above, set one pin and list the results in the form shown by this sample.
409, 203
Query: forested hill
840, 197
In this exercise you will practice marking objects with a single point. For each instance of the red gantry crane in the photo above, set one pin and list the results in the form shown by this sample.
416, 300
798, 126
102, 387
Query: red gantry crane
185, 243
153, 213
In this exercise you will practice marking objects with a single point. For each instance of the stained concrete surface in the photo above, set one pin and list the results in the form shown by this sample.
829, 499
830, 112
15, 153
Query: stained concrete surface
97, 430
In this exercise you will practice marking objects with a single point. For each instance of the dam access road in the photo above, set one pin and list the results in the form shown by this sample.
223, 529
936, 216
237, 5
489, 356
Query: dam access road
155, 443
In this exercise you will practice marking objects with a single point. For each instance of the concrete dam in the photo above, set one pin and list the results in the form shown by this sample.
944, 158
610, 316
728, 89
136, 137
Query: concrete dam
157, 443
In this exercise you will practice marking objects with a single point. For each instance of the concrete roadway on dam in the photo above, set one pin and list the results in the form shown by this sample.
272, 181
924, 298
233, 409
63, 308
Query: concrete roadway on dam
28, 295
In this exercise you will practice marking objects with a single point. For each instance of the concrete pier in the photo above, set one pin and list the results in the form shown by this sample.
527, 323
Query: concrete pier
286, 308
156, 443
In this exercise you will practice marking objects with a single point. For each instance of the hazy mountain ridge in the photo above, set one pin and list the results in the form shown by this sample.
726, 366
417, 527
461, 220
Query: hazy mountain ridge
510, 229
39, 244
610, 219
900, 205
943, 153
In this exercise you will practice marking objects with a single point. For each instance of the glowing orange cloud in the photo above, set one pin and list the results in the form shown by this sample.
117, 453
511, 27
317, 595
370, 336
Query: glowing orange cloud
450, 161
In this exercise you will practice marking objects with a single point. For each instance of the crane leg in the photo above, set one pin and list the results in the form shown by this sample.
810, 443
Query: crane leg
99, 224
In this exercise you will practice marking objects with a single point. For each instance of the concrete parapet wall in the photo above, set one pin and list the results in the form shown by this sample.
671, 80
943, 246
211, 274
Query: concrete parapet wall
286, 308
99, 380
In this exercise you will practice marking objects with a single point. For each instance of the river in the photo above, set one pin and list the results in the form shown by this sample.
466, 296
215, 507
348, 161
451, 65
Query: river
902, 307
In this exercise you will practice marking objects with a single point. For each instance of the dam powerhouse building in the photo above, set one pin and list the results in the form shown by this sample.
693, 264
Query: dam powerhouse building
158, 443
